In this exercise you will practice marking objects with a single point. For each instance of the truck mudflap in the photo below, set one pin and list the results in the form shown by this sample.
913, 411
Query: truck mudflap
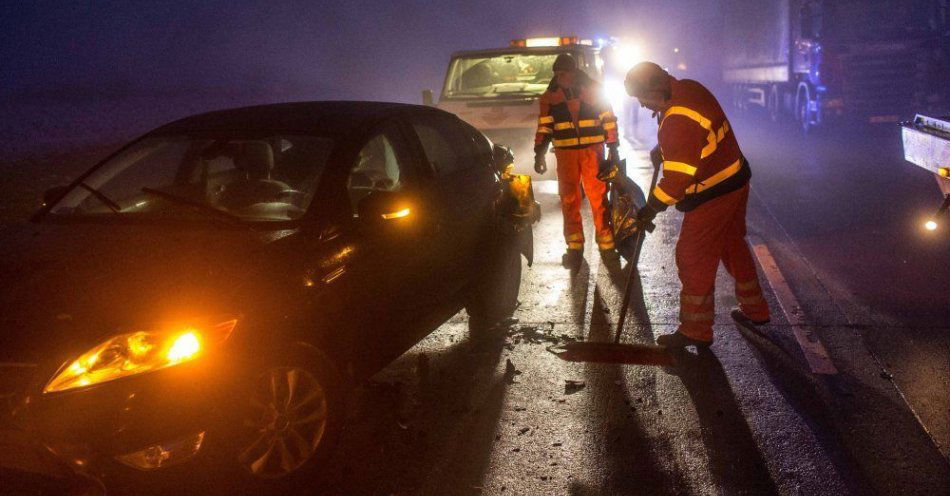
521, 211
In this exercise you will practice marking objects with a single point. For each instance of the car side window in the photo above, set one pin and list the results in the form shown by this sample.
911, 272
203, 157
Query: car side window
439, 150
377, 168
481, 147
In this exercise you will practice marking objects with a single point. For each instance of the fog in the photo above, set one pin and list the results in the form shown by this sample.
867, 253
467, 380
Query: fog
84, 72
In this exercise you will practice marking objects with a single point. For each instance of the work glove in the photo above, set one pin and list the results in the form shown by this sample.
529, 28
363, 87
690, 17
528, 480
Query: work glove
540, 165
645, 218
656, 157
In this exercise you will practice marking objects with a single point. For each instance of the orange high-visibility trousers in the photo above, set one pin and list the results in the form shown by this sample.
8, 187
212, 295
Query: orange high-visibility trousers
576, 167
715, 231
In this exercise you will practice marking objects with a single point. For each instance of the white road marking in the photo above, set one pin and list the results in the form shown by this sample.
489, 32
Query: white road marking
815, 353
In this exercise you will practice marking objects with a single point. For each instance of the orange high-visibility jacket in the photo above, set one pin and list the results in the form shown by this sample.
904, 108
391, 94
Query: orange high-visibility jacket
575, 117
701, 157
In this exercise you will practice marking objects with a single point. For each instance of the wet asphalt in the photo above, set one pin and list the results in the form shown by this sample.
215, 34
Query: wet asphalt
496, 413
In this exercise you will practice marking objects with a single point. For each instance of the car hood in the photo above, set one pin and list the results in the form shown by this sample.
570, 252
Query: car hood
67, 287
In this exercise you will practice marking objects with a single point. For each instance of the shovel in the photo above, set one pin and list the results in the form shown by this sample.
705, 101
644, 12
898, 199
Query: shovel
617, 352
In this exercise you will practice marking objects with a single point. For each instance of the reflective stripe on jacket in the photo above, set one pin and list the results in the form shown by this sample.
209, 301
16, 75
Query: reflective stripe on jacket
701, 156
575, 117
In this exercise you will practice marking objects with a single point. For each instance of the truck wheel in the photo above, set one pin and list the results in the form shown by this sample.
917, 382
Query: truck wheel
494, 296
774, 104
802, 112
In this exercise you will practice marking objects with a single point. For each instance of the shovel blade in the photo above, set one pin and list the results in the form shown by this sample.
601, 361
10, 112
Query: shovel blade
629, 354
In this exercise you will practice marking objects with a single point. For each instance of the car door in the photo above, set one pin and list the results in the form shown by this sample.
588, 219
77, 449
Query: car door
462, 186
393, 267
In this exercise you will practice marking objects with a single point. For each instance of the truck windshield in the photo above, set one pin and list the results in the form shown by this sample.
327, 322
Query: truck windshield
500, 76
241, 178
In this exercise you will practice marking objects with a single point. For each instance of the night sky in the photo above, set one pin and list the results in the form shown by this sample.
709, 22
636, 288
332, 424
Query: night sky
78, 72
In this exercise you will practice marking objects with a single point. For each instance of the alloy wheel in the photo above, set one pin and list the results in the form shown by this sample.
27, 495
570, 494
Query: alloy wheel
287, 419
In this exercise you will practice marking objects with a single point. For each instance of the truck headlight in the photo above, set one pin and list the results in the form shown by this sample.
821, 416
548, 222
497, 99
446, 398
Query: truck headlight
138, 352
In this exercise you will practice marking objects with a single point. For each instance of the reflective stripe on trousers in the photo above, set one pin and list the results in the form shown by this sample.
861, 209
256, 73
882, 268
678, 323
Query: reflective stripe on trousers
713, 232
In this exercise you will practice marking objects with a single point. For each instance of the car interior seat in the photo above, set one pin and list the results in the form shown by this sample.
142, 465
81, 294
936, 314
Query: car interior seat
255, 160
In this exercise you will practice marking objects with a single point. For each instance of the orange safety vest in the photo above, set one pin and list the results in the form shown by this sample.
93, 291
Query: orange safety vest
701, 156
575, 117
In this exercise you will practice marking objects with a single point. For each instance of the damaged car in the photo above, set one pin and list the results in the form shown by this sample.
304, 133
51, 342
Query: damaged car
196, 307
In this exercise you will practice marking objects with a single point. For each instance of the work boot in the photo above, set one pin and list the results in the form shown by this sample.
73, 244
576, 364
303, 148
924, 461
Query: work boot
679, 340
744, 319
572, 258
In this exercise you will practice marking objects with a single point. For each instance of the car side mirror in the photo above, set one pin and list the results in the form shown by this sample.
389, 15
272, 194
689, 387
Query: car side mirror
427, 97
503, 157
384, 208
53, 194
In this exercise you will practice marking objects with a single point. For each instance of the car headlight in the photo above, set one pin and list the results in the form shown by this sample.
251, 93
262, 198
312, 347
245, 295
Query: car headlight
138, 352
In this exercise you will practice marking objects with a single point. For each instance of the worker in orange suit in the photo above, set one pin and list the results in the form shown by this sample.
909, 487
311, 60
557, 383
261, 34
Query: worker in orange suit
576, 118
705, 176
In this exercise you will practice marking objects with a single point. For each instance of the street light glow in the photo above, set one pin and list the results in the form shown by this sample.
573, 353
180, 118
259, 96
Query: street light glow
930, 225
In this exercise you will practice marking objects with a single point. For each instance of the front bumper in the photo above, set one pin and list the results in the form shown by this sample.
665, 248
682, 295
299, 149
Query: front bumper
78, 441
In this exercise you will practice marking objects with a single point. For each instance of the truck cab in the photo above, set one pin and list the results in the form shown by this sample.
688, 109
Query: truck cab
497, 90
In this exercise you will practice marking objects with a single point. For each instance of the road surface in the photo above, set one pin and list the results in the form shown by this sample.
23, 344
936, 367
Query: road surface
852, 283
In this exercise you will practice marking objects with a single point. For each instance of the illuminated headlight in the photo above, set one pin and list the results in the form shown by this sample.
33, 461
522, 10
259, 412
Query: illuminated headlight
138, 352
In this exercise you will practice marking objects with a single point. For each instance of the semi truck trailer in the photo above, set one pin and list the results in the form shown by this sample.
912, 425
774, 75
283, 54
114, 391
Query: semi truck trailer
821, 61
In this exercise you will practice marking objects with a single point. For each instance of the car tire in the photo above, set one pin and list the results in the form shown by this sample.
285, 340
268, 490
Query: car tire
494, 297
284, 440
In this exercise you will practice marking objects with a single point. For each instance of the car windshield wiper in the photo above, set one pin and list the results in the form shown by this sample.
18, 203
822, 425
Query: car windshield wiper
115, 207
196, 206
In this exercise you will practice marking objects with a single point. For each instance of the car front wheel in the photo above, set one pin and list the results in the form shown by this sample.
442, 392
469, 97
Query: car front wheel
494, 296
292, 416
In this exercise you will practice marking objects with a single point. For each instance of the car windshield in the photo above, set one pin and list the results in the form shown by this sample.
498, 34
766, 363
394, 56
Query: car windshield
500, 76
241, 178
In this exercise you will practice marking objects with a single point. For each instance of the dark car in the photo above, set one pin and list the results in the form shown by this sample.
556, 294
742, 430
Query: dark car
195, 307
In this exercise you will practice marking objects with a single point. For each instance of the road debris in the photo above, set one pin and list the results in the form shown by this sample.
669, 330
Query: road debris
571, 386
536, 334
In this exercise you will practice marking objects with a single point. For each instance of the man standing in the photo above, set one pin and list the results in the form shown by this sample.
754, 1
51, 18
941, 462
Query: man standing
705, 176
576, 117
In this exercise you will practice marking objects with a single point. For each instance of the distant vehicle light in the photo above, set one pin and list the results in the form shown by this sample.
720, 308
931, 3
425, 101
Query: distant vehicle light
616, 94
930, 225
135, 353
542, 42
397, 214
627, 54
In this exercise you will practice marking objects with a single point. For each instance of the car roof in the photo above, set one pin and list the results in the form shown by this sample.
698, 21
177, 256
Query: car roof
327, 118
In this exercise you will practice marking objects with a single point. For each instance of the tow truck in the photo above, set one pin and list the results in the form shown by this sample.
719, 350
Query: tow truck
496, 90
927, 145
